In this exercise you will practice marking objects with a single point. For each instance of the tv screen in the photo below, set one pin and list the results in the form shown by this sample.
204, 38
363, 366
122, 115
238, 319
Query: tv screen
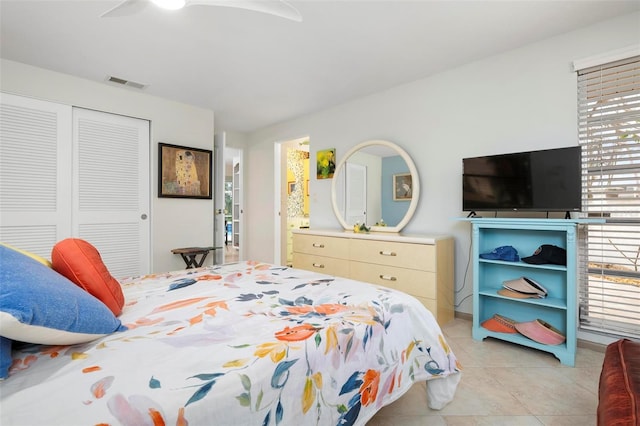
546, 180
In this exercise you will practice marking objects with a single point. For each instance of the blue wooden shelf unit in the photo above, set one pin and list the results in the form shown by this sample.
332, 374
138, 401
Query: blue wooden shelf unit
558, 308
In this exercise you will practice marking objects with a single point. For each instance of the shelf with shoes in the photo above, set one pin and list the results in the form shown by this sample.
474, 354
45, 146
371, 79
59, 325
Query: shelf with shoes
493, 274
551, 317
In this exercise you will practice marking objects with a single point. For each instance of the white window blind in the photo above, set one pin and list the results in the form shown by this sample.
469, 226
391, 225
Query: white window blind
609, 133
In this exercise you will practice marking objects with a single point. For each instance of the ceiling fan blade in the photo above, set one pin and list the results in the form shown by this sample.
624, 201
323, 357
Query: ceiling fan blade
125, 8
273, 7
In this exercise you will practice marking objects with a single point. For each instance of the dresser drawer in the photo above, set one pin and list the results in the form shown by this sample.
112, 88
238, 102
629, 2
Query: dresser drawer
402, 255
321, 246
322, 264
414, 282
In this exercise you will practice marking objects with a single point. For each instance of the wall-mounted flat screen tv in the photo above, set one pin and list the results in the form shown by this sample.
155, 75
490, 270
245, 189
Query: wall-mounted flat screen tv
545, 180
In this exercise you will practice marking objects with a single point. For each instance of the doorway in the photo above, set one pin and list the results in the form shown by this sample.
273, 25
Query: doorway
233, 205
228, 202
292, 180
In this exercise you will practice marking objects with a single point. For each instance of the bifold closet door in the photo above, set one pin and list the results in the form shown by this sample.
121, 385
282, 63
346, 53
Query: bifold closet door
111, 197
35, 177
70, 172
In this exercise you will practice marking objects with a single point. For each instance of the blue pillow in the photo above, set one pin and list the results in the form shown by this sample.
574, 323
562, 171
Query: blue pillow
5, 357
38, 305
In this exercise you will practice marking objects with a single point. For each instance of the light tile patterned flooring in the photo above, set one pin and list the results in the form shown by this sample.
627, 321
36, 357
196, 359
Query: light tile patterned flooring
505, 384
230, 254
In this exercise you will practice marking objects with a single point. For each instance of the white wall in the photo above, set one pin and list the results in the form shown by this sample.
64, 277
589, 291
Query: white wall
235, 140
174, 222
524, 99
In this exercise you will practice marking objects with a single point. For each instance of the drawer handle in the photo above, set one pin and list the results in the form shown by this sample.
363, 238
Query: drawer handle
318, 245
317, 265
387, 253
388, 278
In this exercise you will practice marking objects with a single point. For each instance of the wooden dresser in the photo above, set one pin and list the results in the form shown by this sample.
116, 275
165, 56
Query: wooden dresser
419, 265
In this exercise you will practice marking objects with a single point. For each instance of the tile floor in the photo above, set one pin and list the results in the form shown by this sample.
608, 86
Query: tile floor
230, 254
505, 384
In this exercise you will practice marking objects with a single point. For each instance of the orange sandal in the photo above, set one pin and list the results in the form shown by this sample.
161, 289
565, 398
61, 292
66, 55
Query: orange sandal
500, 324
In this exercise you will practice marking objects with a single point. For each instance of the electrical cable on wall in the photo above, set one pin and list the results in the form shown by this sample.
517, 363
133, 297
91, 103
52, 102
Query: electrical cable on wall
466, 271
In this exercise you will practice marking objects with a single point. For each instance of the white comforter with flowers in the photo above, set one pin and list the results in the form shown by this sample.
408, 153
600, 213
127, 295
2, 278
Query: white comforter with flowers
238, 344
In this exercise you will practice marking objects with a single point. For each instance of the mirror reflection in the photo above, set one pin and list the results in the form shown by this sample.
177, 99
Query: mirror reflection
373, 186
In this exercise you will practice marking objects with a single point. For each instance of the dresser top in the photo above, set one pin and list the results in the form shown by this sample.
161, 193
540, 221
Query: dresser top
378, 236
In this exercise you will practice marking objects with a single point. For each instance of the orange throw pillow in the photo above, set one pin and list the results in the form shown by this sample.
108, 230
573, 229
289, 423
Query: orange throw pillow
81, 263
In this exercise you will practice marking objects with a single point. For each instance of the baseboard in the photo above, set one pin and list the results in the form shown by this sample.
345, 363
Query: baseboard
597, 347
463, 315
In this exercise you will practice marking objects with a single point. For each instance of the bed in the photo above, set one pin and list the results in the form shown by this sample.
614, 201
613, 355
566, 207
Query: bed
244, 343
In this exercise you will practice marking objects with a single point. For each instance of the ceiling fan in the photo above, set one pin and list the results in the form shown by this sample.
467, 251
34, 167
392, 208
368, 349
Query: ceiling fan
272, 7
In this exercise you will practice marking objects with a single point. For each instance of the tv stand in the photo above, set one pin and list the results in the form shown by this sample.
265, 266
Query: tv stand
558, 309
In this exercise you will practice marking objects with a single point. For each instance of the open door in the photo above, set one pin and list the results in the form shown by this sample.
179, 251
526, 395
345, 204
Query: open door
237, 208
292, 186
281, 217
219, 225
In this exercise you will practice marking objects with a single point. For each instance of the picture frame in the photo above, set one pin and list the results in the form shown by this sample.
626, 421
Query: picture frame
291, 186
184, 172
402, 187
325, 163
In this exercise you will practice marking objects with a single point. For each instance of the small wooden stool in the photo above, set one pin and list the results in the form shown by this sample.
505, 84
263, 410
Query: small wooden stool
189, 255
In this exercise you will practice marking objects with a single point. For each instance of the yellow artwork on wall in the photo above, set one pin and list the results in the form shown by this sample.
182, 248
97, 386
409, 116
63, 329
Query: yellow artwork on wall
184, 172
326, 163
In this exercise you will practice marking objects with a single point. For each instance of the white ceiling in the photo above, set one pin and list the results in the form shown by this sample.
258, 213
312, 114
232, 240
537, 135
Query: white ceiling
254, 70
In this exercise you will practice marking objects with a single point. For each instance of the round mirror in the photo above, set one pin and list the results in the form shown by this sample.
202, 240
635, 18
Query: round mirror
376, 184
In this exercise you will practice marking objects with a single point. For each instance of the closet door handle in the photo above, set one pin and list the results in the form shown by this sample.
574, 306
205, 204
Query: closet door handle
388, 278
317, 265
387, 253
318, 245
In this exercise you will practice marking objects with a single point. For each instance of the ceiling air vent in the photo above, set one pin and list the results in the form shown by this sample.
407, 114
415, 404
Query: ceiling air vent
123, 82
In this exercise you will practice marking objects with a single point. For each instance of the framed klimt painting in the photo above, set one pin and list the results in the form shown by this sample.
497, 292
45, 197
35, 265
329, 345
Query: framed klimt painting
184, 172
402, 187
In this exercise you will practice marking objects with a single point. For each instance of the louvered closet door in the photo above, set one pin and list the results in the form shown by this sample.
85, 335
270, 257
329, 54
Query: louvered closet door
111, 188
35, 182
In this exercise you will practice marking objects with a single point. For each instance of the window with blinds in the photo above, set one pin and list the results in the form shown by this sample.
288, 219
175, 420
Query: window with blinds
609, 133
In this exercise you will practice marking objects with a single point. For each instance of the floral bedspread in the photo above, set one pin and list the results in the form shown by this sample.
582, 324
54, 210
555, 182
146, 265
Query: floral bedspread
239, 344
